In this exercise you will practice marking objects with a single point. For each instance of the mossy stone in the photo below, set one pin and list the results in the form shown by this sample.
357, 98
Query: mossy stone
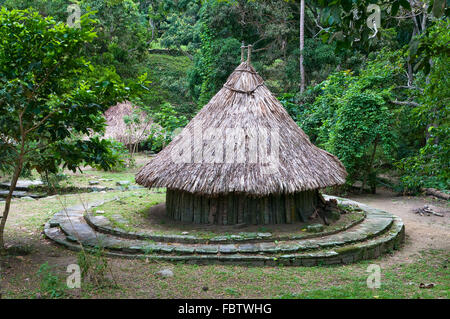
315, 228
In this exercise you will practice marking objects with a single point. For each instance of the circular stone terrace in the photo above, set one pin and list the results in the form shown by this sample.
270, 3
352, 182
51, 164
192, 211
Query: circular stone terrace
362, 233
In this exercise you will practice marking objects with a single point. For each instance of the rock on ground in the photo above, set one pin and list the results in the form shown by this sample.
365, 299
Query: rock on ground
165, 273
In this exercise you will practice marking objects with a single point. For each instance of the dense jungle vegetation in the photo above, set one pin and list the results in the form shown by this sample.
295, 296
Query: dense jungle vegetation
376, 98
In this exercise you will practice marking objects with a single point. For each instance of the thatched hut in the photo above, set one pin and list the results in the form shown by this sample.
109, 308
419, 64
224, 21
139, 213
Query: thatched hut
128, 134
242, 159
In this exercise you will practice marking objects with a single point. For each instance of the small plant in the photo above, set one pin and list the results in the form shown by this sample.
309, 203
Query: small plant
19, 250
263, 229
232, 292
53, 180
93, 266
167, 123
121, 153
50, 285
148, 250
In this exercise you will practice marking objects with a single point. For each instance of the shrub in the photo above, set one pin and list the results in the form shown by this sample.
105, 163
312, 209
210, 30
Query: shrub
50, 285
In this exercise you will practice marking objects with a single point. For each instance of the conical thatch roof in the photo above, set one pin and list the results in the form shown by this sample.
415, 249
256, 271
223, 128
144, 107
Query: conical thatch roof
118, 130
243, 102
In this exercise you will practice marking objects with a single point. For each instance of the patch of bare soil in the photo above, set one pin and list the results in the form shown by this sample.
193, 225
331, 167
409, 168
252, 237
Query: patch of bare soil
422, 232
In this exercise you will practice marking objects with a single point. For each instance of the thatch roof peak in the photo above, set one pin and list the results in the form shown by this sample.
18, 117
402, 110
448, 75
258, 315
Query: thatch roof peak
269, 152
244, 79
118, 130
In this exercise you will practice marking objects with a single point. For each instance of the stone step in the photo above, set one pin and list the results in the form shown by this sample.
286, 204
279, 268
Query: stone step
78, 231
375, 234
4, 194
74, 225
22, 185
368, 249
104, 225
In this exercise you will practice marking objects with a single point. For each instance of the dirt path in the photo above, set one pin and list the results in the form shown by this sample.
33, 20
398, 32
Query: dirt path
422, 232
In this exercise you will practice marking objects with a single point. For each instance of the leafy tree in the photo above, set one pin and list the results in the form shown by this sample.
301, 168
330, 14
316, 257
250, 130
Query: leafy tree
346, 21
272, 27
45, 99
353, 117
221, 28
123, 31
213, 65
430, 166
364, 123
179, 27
166, 123
123, 35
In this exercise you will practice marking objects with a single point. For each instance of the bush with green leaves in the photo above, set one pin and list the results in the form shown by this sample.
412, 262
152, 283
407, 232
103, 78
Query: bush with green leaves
94, 267
53, 180
121, 153
430, 165
166, 122
352, 117
363, 126
51, 285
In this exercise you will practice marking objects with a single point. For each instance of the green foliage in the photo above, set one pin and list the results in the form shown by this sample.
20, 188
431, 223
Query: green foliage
56, 8
290, 103
346, 21
179, 25
53, 180
119, 50
363, 121
121, 154
212, 66
169, 83
221, 27
319, 116
168, 118
122, 35
45, 96
167, 123
353, 119
430, 166
431, 43
93, 266
50, 284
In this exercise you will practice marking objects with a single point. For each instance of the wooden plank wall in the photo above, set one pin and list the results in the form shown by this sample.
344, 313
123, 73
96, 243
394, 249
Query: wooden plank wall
238, 208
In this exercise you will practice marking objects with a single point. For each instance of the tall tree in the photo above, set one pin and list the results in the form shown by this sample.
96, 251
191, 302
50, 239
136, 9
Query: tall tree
45, 99
302, 45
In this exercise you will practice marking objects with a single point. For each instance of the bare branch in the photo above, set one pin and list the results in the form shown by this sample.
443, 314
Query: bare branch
45, 118
409, 87
411, 103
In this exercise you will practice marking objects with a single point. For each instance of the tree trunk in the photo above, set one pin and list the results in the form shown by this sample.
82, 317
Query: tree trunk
435, 192
302, 42
369, 170
3, 218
